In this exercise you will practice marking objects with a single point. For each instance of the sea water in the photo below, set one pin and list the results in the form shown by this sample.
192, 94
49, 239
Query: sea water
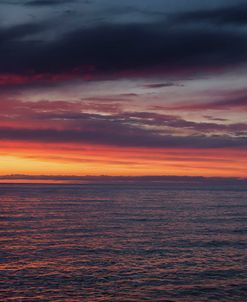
122, 243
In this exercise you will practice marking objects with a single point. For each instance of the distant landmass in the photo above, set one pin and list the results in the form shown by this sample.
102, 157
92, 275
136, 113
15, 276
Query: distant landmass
104, 179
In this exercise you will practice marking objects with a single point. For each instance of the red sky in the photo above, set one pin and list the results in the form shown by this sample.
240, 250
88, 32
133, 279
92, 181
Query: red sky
128, 94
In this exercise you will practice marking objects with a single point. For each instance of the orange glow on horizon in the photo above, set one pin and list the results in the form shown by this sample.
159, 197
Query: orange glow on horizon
61, 159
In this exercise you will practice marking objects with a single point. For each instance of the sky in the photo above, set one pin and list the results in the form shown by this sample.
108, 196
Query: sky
132, 88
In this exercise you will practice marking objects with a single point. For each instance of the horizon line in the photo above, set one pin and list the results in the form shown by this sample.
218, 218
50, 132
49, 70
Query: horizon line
109, 179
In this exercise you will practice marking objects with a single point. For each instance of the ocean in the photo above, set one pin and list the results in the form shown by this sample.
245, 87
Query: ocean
122, 243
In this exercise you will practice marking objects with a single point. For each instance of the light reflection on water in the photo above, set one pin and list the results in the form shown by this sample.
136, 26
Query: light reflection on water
122, 243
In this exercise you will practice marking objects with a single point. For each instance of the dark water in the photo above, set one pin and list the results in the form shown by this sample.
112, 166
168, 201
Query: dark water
123, 243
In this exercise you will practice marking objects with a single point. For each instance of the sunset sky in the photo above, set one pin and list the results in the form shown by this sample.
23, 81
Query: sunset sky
140, 87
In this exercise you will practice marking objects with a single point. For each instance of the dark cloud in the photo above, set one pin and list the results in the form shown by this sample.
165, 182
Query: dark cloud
122, 50
47, 2
229, 100
120, 136
217, 119
12, 34
231, 15
162, 85
234, 102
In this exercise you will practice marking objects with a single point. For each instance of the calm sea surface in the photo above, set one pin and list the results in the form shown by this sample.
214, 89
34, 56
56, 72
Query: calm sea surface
122, 243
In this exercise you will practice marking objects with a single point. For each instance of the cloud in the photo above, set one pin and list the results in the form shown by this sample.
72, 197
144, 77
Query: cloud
217, 119
10, 34
108, 119
231, 15
120, 136
112, 51
236, 100
47, 2
67, 122
176, 122
162, 85
56, 109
